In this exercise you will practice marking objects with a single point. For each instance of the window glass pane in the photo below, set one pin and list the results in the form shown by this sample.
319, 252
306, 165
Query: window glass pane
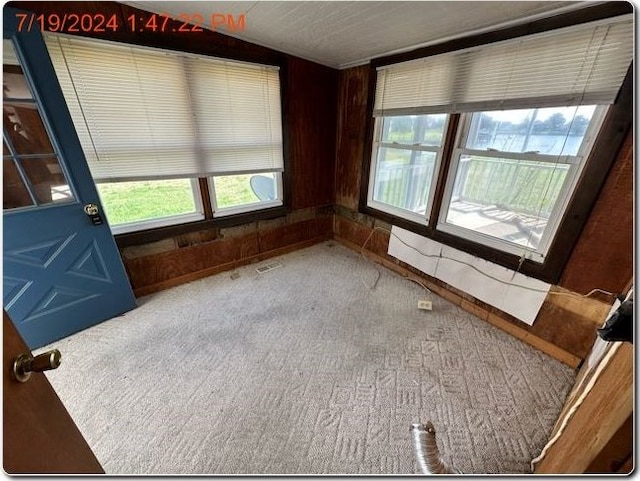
414, 129
5, 149
508, 199
47, 179
137, 201
14, 193
25, 128
238, 190
14, 83
403, 178
550, 131
13, 80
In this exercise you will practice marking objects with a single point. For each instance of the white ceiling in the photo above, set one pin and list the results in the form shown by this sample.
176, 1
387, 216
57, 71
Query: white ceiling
342, 34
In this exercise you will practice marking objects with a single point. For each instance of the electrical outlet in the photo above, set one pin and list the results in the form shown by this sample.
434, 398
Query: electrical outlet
425, 305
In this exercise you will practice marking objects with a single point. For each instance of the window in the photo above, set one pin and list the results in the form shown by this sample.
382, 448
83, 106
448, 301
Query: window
142, 204
235, 194
32, 174
163, 132
487, 145
513, 172
408, 149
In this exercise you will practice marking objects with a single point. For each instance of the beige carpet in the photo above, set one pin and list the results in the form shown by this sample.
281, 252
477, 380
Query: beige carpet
304, 369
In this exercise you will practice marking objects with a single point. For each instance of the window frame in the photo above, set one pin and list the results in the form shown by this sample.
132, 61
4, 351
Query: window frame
244, 208
604, 150
136, 226
377, 145
16, 158
576, 164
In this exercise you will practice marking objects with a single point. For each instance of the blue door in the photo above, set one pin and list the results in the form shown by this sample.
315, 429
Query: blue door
62, 271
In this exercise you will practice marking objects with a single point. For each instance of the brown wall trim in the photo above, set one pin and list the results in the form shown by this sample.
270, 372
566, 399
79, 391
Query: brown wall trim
368, 139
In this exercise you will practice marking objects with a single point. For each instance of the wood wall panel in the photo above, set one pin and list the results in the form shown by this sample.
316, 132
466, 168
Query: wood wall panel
311, 114
603, 256
357, 233
157, 268
616, 452
154, 267
570, 322
352, 111
293, 234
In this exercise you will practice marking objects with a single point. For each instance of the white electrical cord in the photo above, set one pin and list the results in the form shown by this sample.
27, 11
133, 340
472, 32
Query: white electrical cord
440, 256
362, 249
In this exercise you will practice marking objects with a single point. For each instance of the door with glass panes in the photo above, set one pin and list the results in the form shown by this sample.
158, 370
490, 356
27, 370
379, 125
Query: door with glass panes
62, 271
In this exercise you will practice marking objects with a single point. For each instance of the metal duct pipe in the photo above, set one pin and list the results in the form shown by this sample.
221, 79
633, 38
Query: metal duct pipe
426, 450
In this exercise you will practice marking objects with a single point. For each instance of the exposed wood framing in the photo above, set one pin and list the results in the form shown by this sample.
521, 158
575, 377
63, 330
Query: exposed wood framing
594, 423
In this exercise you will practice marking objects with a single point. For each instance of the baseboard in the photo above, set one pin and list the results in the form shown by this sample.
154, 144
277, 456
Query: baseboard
478, 311
194, 276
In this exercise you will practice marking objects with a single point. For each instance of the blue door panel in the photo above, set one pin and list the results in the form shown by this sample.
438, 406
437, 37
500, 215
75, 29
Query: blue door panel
61, 273
76, 274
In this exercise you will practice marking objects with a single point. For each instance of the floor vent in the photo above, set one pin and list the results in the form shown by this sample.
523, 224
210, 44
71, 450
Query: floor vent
268, 267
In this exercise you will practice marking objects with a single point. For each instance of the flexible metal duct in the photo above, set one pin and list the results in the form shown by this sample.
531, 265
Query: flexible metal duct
426, 449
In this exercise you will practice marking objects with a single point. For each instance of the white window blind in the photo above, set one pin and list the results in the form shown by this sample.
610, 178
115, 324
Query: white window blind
582, 64
237, 112
149, 113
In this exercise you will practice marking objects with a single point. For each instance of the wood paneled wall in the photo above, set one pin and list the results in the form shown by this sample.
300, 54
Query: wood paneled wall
603, 257
352, 111
312, 106
173, 261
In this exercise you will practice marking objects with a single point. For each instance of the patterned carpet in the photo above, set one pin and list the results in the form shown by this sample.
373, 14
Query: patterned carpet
305, 369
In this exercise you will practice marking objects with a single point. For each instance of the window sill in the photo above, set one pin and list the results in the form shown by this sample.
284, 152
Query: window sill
247, 208
491, 242
400, 213
155, 223
160, 233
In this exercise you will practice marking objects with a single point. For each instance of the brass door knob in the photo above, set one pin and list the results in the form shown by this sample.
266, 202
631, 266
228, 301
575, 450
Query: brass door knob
25, 364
